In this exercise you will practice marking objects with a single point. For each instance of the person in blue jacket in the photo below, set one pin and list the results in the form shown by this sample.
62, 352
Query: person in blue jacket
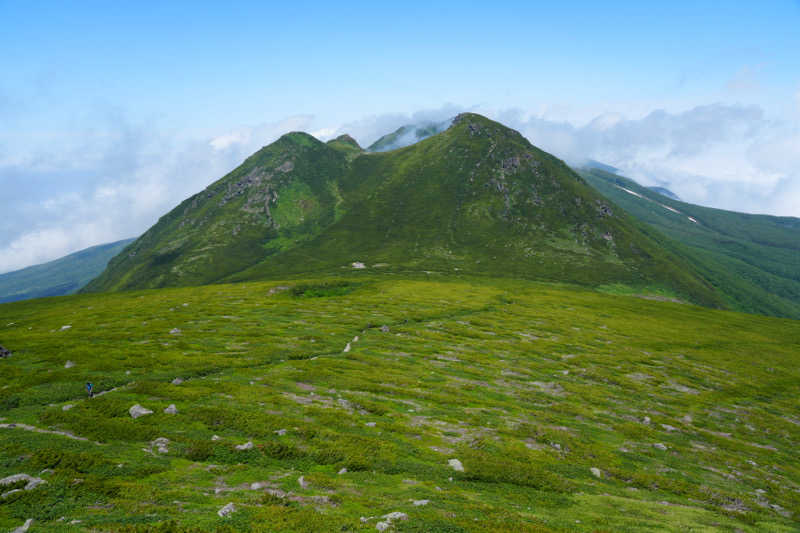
89, 389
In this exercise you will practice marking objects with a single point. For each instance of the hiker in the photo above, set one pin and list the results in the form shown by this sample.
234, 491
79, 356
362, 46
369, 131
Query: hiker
89, 390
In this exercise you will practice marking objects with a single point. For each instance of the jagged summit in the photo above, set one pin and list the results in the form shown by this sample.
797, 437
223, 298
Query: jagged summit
475, 197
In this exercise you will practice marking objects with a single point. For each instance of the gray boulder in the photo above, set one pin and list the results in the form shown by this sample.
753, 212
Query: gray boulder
24, 527
228, 509
171, 409
137, 410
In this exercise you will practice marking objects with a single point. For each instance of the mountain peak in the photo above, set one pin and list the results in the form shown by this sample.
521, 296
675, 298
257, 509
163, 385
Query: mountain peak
345, 143
300, 138
345, 138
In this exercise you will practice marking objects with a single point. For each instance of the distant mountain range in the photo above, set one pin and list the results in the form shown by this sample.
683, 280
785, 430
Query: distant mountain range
62, 276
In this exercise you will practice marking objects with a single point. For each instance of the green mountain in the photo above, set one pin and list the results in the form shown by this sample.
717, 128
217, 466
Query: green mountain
752, 260
61, 276
476, 198
439, 405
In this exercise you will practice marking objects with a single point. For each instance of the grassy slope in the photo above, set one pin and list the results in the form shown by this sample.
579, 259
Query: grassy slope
63, 276
480, 198
529, 385
753, 260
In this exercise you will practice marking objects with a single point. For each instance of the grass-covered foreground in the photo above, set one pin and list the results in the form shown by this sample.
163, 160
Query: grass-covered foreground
569, 410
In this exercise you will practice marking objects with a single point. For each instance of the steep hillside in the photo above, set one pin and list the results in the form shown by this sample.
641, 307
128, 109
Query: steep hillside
477, 405
283, 194
480, 198
476, 198
65, 275
753, 260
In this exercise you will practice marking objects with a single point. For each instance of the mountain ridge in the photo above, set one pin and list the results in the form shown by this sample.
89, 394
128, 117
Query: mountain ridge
58, 277
753, 260
476, 198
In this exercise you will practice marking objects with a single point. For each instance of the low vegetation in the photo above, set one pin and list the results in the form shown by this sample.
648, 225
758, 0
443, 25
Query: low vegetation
328, 404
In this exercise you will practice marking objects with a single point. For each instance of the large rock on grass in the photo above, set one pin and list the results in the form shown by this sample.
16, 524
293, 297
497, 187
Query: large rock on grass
137, 410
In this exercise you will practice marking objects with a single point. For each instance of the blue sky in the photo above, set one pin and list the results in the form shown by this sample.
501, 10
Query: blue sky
111, 114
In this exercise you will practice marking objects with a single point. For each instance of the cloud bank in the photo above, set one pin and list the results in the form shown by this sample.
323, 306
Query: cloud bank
114, 182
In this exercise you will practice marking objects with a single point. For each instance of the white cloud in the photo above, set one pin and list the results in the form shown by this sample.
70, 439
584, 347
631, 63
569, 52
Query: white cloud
225, 141
324, 134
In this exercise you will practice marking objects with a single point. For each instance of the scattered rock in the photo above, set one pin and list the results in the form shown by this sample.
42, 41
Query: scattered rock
388, 519
667, 427
31, 483
346, 348
160, 445
174, 331
596, 472
384, 329
370, 424
687, 419
279, 288
646, 420
418, 503
177, 381
24, 527
456, 465
64, 328
171, 409
228, 509
246, 446
69, 364
358, 265
137, 410
302, 482
215, 437
683, 388
342, 471
660, 446
4, 353
67, 407
280, 432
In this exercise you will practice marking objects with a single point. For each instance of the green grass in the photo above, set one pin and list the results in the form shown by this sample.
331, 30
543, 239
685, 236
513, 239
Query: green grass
529, 385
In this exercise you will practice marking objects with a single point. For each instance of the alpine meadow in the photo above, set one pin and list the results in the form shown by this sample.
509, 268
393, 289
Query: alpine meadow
417, 267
